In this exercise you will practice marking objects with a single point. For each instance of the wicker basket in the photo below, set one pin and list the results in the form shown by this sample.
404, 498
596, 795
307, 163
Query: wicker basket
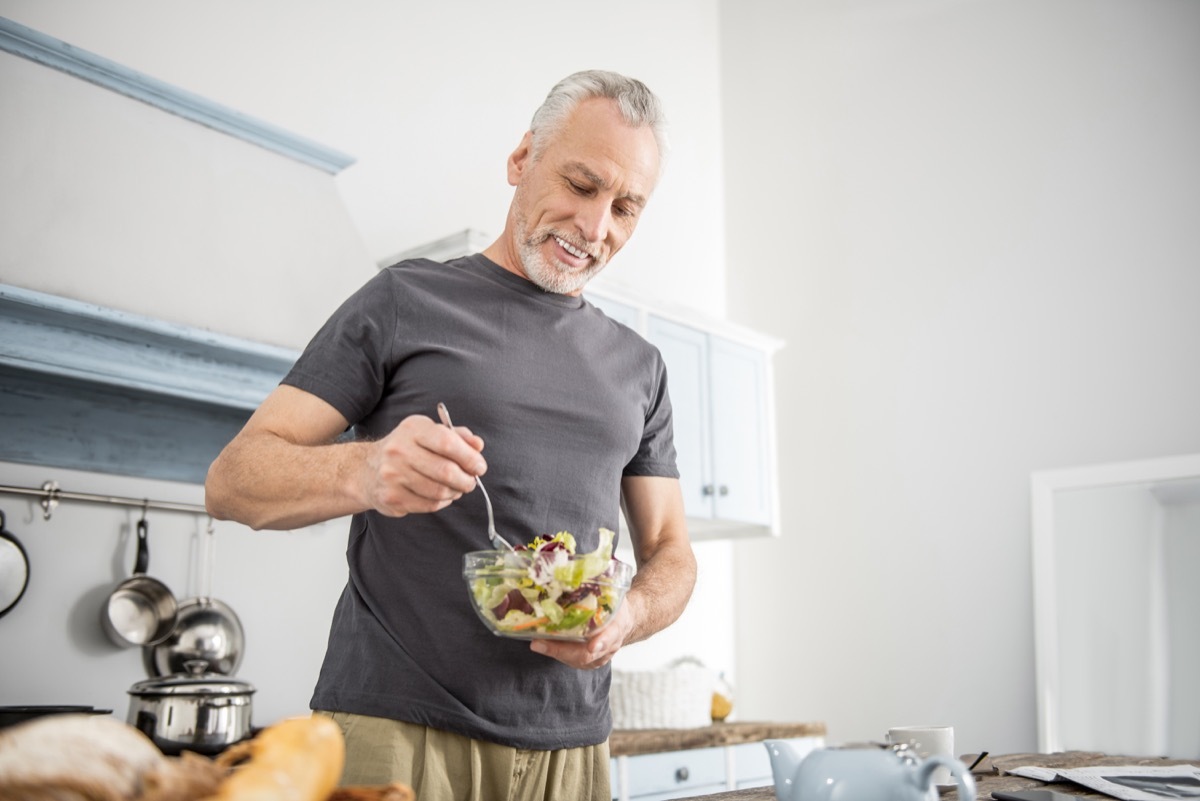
677, 697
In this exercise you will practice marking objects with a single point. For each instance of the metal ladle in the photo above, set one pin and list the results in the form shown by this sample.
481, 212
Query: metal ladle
496, 539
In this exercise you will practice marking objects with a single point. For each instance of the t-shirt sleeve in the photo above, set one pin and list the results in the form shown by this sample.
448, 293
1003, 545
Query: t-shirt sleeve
347, 362
656, 454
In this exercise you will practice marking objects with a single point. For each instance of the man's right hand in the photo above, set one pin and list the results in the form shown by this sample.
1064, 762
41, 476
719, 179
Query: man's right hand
421, 466
284, 469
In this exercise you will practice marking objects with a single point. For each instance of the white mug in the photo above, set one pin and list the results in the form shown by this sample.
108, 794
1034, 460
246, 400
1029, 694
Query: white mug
925, 741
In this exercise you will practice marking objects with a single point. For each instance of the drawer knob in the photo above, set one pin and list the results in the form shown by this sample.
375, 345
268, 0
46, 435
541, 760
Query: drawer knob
681, 775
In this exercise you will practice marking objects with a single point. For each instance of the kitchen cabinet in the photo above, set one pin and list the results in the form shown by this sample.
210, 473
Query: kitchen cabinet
721, 384
621, 312
719, 394
662, 764
658, 777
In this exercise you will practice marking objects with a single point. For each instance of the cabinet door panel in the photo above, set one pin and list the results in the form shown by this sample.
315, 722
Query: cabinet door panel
740, 438
685, 351
616, 310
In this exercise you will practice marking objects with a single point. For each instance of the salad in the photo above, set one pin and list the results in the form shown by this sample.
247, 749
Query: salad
545, 589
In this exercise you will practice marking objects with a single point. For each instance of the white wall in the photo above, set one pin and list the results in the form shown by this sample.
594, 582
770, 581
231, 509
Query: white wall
431, 98
115, 202
974, 223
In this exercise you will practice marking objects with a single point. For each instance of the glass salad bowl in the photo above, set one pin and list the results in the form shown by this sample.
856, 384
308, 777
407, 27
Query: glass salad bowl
545, 590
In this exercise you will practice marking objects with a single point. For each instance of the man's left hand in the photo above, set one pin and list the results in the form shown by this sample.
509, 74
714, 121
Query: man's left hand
597, 651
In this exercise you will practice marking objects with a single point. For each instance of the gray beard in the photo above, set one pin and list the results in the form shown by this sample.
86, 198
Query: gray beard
550, 277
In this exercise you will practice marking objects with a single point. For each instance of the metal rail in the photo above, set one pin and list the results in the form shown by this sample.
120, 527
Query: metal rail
51, 495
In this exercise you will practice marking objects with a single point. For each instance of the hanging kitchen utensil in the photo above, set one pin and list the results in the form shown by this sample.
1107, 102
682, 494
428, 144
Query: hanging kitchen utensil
207, 632
14, 569
141, 610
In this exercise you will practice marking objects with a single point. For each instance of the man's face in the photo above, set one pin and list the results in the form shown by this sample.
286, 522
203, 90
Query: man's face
578, 203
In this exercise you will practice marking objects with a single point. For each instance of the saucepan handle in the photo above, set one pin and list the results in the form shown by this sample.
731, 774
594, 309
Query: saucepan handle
142, 563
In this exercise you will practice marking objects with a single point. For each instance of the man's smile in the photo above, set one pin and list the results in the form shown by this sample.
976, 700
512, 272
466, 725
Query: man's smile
571, 249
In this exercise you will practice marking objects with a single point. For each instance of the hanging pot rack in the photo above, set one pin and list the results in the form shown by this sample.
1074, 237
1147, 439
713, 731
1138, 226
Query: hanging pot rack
51, 494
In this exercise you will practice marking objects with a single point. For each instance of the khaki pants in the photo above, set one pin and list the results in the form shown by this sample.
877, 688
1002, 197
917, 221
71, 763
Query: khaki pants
441, 766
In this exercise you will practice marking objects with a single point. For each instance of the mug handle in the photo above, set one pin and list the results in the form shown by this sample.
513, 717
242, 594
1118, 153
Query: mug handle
966, 782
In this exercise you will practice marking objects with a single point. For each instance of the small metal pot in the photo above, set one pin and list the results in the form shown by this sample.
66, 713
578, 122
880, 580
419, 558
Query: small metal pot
200, 712
141, 610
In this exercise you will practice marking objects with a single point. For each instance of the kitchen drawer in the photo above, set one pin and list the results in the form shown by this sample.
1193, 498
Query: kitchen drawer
676, 774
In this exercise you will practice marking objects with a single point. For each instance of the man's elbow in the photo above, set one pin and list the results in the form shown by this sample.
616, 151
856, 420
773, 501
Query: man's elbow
218, 497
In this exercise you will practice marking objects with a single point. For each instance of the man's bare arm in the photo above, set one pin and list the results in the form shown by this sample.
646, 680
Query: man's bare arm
666, 563
665, 577
285, 469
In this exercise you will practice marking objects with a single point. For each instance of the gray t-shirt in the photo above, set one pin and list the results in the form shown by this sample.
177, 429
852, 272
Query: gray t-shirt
567, 402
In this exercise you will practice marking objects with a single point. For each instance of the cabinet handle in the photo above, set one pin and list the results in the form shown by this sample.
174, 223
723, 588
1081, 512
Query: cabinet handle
707, 490
723, 491
681, 775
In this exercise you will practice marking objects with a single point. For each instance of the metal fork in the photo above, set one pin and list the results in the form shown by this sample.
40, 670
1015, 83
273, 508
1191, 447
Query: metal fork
496, 539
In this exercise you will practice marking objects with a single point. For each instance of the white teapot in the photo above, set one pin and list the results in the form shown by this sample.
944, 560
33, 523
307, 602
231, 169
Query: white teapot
863, 774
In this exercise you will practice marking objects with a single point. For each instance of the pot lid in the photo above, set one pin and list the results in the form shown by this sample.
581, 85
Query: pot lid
207, 684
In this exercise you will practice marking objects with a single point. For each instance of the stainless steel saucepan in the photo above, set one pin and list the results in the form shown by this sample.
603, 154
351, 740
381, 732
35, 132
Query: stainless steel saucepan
141, 610
207, 632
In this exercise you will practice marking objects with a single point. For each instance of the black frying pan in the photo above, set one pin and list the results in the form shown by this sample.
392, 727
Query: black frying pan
12, 715
14, 569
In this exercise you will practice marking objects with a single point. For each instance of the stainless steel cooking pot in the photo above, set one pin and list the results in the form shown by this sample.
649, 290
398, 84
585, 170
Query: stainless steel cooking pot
196, 711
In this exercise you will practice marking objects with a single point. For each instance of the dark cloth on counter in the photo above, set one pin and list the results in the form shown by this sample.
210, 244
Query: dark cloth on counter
567, 402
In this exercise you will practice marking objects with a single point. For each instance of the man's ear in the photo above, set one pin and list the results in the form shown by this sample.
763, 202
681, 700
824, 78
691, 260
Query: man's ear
519, 159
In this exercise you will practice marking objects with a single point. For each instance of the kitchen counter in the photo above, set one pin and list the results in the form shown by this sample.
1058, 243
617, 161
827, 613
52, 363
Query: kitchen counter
635, 742
990, 775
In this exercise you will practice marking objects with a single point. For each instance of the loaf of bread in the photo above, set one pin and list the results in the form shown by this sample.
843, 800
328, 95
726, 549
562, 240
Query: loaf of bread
95, 758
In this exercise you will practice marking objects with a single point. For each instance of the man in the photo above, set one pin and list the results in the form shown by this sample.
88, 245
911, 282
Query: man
577, 419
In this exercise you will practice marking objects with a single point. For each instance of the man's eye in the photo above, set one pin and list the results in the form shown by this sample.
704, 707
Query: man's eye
624, 211
579, 189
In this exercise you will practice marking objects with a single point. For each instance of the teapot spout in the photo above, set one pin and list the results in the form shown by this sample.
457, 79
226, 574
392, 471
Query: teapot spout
784, 762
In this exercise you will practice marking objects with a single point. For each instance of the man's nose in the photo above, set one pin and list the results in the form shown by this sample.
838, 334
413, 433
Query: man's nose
594, 219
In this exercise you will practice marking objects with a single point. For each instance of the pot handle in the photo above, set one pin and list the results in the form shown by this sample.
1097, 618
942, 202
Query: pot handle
142, 563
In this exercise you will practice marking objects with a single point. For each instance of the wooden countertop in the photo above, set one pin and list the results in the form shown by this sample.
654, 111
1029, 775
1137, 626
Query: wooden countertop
990, 775
633, 742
